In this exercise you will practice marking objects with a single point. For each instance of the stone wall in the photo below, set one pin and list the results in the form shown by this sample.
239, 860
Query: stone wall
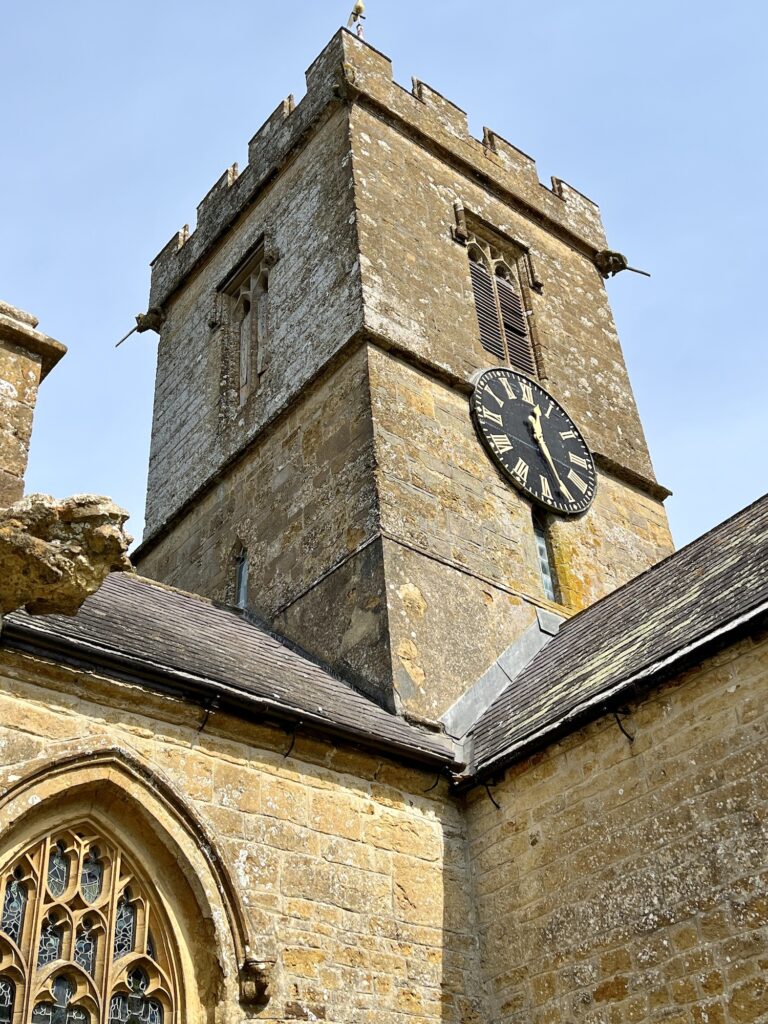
375, 523
307, 223
351, 486
19, 377
300, 501
351, 868
26, 356
626, 882
418, 294
461, 566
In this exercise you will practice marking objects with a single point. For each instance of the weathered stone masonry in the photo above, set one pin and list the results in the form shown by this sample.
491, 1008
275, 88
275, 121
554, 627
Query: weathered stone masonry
352, 877
361, 417
626, 881
26, 357
615, 882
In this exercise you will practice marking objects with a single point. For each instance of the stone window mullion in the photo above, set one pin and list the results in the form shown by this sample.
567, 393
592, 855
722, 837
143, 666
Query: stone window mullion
80, 979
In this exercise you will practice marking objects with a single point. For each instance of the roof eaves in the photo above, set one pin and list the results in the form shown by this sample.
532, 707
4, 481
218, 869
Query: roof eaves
26, 638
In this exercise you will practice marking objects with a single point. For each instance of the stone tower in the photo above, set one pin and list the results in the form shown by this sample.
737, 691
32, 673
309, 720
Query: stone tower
313, 456
26, 358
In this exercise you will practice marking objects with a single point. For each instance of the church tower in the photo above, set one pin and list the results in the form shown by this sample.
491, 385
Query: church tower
321, 451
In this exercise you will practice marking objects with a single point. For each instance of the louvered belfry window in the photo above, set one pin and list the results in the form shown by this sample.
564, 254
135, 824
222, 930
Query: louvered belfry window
499, 305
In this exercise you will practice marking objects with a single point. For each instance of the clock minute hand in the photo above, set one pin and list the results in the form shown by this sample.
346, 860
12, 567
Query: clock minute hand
535, 423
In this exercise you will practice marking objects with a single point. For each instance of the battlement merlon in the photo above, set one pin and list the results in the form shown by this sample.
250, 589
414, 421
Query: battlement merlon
350, 71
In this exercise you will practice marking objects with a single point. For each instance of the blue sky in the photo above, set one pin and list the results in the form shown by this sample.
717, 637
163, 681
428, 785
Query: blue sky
117, 118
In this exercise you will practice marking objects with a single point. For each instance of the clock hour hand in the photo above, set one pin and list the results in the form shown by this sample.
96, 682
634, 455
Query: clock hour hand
534, 421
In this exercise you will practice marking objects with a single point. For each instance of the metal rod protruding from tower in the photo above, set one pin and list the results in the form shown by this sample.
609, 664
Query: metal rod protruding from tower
357, 17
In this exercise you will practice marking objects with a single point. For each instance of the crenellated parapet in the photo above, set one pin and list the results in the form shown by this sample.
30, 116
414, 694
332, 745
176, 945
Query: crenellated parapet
349, 71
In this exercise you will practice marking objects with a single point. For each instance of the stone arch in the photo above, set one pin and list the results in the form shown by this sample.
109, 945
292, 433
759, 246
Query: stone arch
131, 803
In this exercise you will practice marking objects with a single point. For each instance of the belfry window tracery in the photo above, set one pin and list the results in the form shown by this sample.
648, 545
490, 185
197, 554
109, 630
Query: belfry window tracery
247, 293
82, 939
501, 314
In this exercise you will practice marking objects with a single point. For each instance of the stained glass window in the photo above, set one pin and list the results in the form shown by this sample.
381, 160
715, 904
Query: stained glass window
107, 937
133, 1007
13, 909
125, 926
58, 870
49, 949
60, 1011
85, 947
92, 876
7, 999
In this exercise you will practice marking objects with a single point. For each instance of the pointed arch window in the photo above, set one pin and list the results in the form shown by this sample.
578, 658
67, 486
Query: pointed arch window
7, 999
501, 315
245, 296
83, 940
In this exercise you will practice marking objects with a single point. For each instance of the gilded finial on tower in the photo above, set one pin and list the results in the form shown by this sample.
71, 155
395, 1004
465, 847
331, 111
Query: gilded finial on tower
357, 17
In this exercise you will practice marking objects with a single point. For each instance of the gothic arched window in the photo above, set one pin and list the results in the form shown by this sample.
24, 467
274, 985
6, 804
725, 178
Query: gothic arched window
82, 939
245, 295
501, 316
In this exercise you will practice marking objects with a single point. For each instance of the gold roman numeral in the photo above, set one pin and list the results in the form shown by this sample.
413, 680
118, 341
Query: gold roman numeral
548, 413
508, 388
545, 491
578, 461
527, 394
496, 397
493, 417
567, 434
521, 471
576, 479
502, 443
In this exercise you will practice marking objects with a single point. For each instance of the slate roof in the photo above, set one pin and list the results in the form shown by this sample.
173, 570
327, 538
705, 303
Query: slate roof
656, 619
135, 628
678, 611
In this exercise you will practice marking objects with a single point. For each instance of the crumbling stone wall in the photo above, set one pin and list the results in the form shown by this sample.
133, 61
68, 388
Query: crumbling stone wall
627, 881
351, 868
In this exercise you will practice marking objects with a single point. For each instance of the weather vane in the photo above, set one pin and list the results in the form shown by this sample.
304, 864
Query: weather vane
357, 17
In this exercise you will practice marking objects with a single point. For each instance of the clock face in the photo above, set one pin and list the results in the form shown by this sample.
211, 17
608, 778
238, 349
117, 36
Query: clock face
534, 441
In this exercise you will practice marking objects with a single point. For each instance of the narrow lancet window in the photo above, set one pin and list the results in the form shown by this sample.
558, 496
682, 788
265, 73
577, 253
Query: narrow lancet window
546, 565
245, 337
58, 870
241, 579
125, 926
7, 999
244, 305
85, 947
14, 906
501, 315
51, 938
91, 876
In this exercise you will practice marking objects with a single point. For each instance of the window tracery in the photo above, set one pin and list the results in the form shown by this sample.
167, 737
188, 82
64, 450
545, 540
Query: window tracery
501, 314
247, 294
7, 999
14, 906
82, 939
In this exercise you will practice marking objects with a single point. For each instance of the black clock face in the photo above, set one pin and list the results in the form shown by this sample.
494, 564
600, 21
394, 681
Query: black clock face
534, 441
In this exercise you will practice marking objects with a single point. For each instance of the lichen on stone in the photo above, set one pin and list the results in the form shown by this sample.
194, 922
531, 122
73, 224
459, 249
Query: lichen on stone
55, 553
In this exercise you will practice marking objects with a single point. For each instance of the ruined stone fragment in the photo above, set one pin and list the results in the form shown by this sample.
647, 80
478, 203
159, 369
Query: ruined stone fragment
53, 553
